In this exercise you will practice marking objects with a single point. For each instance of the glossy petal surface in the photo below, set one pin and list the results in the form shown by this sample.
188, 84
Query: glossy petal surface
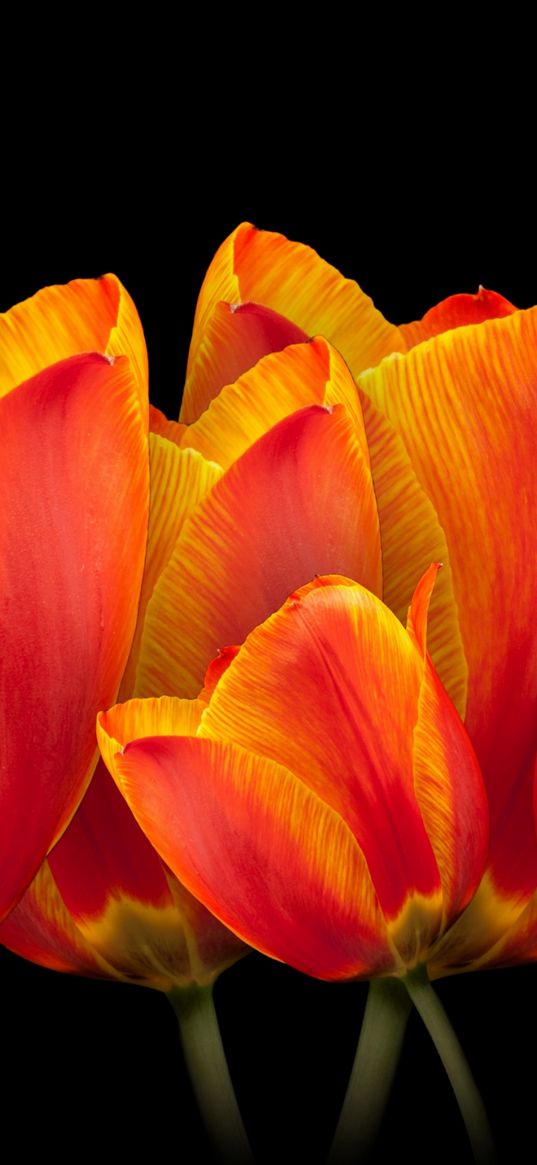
74, 503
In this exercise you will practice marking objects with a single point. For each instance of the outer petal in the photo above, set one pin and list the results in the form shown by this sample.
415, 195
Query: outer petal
333, 684
465, 405
263, 852
280, 384
179, 479
74, 502
86, 315
455, 312
266, 268
298, 503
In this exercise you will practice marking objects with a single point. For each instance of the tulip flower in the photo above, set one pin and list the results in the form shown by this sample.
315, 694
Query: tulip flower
74, 491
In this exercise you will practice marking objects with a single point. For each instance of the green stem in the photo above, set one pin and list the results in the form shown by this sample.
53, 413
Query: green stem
452, 1056
377, 1055
209, 1073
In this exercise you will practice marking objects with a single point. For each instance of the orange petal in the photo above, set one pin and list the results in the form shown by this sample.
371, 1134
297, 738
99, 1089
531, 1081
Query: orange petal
280, 384
179, 479
260, 850
455, 312
298, 503
162, 427
455, 811
136, 718
329, 687
265, 268
235, 338
465, 404
411, 538
86, 315
74, 502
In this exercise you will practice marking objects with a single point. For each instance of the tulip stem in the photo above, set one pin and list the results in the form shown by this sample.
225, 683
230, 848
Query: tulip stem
377, 1056
209, 1074
452, 1056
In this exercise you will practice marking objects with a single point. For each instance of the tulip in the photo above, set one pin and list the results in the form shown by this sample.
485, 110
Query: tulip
332, 756
74, 491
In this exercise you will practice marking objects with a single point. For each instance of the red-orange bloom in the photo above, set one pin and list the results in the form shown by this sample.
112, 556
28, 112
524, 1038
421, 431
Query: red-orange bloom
74, 504
328, 808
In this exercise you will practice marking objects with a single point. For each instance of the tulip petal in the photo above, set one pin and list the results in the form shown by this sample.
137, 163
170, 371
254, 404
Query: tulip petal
235, 338
265, 268
455, 312
280, 384
299, 502
115, 888
455, 811
332, 683
162, 427
165, 716
86, 315
412, 538
262, 852
465, 404
41, 929
179, 479
74, 502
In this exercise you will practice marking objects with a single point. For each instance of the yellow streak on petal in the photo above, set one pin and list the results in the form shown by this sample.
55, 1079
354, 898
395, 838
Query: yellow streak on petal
412, 538
135, 719
413, 931
179, 480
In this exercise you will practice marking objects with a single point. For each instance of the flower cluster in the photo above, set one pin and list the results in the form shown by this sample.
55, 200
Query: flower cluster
314, 723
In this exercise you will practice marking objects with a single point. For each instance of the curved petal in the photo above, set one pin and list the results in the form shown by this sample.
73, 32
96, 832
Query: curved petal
465, 404
289, 278
298, 503
237, 335
411, 538
329, 688
280, 384
86, 315
179, 479
455, 810
74, 503
262, 852
455, 312
165, 716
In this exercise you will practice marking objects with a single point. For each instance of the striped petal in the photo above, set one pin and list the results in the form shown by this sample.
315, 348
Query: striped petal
411, 538
263, 852
179, 480
465, 405
86, 315
280, 384
298, 503
237, 335
339, 694
455, 312
74, 503
265, 268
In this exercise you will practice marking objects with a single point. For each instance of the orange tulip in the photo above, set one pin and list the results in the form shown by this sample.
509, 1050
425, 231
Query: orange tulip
74, 492
328, 808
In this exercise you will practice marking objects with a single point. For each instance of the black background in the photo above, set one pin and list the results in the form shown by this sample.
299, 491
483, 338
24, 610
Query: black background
96, 1066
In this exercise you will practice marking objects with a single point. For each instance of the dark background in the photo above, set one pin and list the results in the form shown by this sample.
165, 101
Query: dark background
97, 1067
